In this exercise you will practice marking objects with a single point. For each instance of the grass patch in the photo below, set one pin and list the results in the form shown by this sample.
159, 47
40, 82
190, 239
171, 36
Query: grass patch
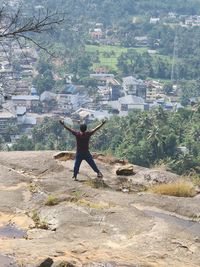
77, 195
194, 177
79, 198
105, 48
51, 201
179, 189
110, 63
38, 223
108, 55
33, 188
96, 183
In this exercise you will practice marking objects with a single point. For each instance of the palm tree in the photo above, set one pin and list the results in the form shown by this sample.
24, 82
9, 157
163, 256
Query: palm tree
184, 163
145, 121
160, 116
196, 113
195, 132
157, 139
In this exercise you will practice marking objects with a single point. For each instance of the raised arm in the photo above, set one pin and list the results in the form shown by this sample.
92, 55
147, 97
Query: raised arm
66, 127
98, 127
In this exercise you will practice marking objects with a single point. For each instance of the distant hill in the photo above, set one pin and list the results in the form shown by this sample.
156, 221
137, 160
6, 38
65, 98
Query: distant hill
110, 11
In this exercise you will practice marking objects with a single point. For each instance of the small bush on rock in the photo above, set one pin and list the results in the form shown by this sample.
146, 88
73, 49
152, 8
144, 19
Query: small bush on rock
51, 201
178, 189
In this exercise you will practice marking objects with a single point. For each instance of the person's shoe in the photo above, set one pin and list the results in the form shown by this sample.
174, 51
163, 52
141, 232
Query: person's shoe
99, 175
74, 178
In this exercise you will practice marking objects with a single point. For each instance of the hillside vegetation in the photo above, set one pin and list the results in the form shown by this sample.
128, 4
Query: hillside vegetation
142, 138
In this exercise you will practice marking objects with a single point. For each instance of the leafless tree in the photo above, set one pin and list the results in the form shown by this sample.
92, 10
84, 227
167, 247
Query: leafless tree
16, 25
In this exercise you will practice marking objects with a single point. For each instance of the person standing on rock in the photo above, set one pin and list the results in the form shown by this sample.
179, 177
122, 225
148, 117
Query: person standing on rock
82, 147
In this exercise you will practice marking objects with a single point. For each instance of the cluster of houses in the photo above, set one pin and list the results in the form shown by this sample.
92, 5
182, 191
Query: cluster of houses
192, 21
24, 108
182, 20
74, 103
16, 74
99, 34
16, 70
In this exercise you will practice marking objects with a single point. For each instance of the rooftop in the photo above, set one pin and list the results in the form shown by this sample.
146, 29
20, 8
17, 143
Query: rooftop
101, 75
131, 80
30, 121
131, 100
25, 97
6, 115
21, 110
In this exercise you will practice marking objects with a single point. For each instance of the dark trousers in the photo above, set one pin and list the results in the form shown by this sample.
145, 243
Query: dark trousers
87, 157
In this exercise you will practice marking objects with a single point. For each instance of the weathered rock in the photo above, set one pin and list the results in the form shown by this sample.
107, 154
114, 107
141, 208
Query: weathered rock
157, 176
45, 263
70, 155
197, 189
63, 264
95, 226
6, 261
65, 155
138, 179
109, 159
102, 264
148, 177
125, 170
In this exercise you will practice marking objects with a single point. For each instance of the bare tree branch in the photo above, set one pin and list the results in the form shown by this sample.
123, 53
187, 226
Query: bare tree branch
34, 24
27, 38
21, 47
15, 26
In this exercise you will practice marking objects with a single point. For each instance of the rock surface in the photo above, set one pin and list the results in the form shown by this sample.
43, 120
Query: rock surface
94, 223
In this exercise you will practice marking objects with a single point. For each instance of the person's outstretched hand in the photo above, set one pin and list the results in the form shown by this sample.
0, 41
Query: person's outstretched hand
103, 121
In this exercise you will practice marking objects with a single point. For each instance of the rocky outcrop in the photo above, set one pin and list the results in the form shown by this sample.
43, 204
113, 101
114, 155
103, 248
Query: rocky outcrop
112, 223
126, 170
70, 155
45, 263
150, 177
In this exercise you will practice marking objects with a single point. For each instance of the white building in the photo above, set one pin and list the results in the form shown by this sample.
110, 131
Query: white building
154, 20
21, 114
192, 21
128, 103
28, 101
133, 86
88, 115
102, 76
7, 119
68, 102
64, 101
47, 96
23, 119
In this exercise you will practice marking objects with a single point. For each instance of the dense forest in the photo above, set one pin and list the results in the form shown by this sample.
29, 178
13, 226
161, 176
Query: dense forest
144, 138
